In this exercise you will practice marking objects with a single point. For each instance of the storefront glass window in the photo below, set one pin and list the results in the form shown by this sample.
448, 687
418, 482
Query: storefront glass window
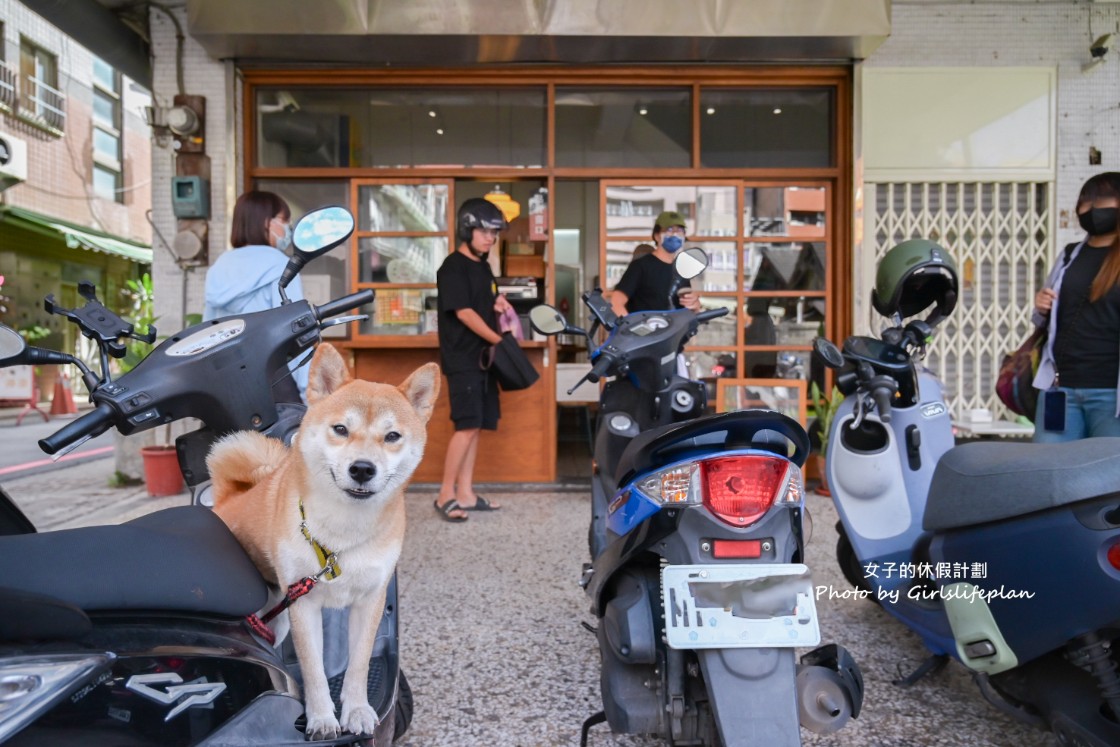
384, 259
782, 128
785, 211
784, 266
707, 210
400, 128
611, 128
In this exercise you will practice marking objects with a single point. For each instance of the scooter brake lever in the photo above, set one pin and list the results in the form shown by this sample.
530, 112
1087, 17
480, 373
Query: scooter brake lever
344, 320
861, 410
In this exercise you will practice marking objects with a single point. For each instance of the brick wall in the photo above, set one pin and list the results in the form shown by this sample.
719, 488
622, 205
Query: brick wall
180, 291
952, 34
60, 182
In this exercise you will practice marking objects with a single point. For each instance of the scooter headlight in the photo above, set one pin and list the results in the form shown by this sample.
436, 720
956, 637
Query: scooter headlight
31, 685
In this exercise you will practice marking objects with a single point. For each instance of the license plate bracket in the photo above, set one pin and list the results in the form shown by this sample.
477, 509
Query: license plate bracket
765, 605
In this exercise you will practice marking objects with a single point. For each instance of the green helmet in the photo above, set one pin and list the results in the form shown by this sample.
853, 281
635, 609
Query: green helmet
913, 276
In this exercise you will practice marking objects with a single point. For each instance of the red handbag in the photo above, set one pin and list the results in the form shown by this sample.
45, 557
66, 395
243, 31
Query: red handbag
1015, 384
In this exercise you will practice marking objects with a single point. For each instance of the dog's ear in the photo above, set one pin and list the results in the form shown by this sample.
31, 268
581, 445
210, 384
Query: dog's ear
328, 373
421, 389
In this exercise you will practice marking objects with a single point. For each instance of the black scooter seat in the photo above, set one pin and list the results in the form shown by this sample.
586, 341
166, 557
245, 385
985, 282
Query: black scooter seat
981, 482
181, 559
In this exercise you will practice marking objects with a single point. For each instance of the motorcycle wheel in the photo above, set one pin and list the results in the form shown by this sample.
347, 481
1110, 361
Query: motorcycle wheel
850, 565
403, 716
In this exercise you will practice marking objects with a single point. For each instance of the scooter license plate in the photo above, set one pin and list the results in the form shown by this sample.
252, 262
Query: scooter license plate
739, 606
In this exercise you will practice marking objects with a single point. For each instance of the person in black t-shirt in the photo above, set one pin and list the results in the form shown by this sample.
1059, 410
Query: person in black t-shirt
647, 280
469, 305
1080, 304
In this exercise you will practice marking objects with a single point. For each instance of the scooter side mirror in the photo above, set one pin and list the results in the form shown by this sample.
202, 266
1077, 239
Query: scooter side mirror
12, 346
828, 352
547, 320
691, 262
314, 235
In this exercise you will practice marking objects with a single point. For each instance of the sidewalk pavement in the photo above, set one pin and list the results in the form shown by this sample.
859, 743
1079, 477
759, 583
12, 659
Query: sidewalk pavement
491, 635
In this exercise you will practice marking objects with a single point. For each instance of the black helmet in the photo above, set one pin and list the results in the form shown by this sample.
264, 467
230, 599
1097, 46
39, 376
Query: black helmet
478, 213
913, 276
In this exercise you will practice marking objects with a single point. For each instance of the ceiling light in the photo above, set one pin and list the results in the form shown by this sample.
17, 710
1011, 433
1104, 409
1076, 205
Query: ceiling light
643, 111
439, 131
509, 207
777, 110
432, 113
711, 110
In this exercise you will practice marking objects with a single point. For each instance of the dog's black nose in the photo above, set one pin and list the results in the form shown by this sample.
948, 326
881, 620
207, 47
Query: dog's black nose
362, 471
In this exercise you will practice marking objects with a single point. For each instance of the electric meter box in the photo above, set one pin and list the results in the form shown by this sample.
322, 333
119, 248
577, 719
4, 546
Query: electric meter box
190, 197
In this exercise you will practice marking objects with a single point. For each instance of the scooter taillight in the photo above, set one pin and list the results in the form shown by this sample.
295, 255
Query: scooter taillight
740, 489
1114, 556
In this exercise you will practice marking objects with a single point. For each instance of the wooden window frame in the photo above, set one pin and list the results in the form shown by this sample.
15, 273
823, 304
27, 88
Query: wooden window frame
837, 178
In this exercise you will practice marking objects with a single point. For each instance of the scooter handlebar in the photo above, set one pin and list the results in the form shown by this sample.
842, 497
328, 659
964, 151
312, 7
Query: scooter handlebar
600, 367
344, 304
710, 314
883, 389
93, 423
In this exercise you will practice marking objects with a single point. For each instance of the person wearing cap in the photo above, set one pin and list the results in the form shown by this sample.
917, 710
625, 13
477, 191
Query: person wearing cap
646, 283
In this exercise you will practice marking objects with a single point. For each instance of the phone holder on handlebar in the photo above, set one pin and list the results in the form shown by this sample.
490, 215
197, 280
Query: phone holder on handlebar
600, 308
98, 323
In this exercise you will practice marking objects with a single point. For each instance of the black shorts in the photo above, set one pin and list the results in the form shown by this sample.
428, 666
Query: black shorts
474, 400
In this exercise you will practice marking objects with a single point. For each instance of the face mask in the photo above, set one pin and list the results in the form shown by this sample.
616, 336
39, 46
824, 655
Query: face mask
285, 239
672, 243
1098, 221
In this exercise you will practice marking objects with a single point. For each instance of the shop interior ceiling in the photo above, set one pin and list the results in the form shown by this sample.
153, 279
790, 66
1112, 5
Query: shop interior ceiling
468, 32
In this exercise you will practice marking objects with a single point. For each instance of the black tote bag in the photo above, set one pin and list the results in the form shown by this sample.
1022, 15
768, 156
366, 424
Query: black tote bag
509, 364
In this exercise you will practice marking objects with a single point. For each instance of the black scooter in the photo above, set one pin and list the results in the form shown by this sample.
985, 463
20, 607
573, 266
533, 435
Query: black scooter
135, 634
697, 541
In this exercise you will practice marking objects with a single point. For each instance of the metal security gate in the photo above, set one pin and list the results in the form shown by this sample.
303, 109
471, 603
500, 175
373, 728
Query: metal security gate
999, 233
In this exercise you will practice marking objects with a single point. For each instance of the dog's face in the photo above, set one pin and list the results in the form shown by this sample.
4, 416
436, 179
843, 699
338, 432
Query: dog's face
362, 438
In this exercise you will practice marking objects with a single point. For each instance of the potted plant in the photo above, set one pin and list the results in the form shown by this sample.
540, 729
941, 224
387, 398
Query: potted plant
824, 408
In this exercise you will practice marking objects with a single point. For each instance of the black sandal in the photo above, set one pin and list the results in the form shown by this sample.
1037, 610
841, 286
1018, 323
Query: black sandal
445, 510
481, 504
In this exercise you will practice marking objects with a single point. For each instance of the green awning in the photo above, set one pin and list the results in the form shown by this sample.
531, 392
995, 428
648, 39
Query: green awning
75, 236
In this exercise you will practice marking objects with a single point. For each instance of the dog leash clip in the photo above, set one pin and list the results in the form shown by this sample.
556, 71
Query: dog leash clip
330, 569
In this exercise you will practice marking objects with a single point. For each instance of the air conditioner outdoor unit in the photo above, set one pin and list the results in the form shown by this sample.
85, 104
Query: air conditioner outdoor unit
13, 161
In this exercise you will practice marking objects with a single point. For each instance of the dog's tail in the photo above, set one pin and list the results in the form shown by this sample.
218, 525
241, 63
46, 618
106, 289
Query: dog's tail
241, 460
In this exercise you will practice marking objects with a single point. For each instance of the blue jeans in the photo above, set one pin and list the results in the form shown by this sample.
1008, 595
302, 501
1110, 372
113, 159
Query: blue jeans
1089, 413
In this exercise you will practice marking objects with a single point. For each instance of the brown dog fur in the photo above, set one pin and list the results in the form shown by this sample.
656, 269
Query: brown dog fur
356, 450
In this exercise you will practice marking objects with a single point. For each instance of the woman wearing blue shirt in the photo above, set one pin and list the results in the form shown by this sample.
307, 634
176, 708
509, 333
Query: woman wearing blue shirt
245, 279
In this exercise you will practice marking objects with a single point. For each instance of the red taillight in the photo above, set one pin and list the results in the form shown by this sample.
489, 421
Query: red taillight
741, 489
1114, 556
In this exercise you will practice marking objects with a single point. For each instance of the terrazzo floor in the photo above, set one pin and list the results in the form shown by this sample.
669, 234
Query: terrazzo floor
491, 633
492, 643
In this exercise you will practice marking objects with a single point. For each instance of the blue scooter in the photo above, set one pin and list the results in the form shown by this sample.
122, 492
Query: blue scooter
697, 537
1004, 557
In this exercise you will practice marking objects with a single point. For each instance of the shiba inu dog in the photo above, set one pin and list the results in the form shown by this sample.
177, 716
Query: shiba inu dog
332, 506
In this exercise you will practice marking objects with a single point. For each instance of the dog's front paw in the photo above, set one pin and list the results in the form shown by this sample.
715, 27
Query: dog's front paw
322, 727
360, 719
